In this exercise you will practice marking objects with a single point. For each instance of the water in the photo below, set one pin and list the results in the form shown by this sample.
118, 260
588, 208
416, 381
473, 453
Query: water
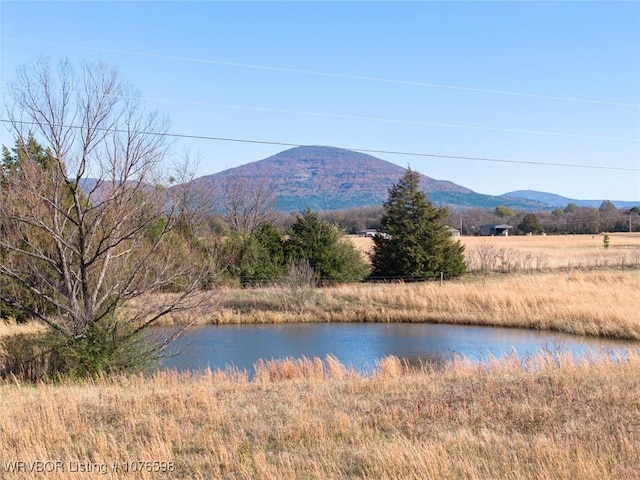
360, 345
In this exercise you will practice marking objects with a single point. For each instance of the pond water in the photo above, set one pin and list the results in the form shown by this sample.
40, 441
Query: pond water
361, 345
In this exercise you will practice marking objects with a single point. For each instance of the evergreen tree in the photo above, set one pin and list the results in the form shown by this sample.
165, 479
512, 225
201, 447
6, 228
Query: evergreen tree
262, 256
28, 150
321, 244
413, 242
530, 224
25, 152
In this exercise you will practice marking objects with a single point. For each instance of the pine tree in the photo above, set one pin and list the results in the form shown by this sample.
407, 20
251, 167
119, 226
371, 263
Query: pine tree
413, 242
530, 224
320, 243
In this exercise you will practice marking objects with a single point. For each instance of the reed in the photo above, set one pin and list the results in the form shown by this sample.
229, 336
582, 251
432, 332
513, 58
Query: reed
549, 416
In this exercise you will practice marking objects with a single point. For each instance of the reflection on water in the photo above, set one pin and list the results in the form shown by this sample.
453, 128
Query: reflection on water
360, 345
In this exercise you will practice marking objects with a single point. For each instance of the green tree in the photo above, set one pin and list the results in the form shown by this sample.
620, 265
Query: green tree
25, 152
530, 224
504, 212
609, 216
261, 256
413, 241
571, 208
333, 258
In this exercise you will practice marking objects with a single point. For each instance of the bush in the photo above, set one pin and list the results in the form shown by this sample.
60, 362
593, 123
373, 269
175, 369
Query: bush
105, 349
298, 287
27, 357
320, 243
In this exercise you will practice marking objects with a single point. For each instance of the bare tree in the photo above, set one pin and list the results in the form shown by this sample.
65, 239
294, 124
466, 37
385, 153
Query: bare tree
193, 203
247, 203
87, 234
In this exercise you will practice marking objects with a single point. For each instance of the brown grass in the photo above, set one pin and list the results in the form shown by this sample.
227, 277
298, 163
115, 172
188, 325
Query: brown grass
565, 283
9, 327
546, 418
599, 302
548, 252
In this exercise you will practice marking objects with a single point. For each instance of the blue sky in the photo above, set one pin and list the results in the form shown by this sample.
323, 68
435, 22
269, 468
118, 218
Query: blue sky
544, 82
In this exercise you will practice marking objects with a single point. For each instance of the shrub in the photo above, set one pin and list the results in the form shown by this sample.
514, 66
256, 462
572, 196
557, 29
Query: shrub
107, 348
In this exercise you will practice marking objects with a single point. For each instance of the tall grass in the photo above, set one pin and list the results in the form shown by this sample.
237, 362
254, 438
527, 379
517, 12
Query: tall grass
600, 303
10, 327
550, 416
566, 283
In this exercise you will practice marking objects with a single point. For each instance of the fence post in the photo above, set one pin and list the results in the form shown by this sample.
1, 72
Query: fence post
441, 277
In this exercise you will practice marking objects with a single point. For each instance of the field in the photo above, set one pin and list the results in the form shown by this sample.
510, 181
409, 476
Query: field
547, 417
545, 252
580, 288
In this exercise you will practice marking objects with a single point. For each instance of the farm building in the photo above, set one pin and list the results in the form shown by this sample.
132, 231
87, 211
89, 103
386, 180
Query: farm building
491, 229
370, 232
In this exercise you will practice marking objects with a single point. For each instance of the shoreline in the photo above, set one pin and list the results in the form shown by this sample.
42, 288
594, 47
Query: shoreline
601, 303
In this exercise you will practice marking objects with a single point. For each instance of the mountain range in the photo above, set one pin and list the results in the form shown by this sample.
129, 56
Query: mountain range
328, 178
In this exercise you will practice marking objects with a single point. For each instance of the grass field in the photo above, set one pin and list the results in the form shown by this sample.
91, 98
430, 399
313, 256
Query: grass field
546, 417
602, 302
548, 252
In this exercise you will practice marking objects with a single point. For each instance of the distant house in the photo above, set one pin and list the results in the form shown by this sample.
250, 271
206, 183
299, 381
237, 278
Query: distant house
369, 232
454, 232
491, 229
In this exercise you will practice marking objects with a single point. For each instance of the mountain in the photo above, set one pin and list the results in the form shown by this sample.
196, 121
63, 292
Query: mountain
558, 201
328, 178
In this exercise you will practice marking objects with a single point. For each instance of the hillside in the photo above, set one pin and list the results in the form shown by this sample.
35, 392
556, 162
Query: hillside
327, 178
559, 201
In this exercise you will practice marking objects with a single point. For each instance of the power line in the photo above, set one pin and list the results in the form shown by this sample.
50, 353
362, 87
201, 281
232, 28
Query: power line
329, 74
391, 120
361, 150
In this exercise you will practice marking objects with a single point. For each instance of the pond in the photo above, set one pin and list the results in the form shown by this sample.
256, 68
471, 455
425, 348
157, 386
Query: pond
361, 345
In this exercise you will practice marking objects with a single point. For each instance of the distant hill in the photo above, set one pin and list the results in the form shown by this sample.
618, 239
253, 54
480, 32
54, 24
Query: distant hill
558, 201
327, 178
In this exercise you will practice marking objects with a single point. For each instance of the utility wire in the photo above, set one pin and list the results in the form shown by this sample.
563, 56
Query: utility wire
328, 74
361, 150
390, 120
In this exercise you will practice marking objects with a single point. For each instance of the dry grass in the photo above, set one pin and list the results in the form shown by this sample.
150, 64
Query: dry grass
550, 252
9, 327
601, 303
546, 418
566, 283
598, 302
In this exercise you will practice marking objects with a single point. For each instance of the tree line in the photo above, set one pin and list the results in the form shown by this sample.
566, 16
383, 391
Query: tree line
572, 219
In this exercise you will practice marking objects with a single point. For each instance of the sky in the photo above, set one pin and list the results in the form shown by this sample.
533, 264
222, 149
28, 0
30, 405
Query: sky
494, 96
